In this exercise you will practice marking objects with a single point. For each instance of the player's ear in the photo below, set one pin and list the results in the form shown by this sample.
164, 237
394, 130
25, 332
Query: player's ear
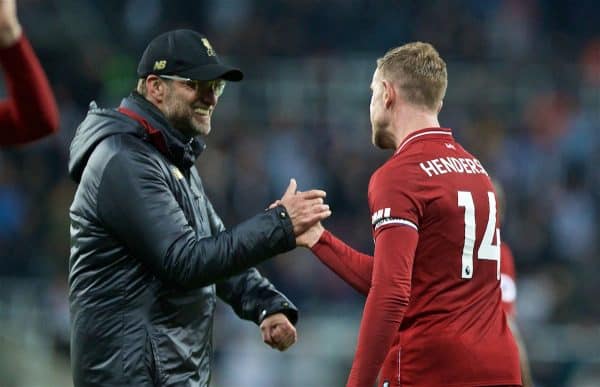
155, 88
389, 93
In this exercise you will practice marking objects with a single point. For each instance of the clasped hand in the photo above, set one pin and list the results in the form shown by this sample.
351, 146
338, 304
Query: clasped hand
305, 209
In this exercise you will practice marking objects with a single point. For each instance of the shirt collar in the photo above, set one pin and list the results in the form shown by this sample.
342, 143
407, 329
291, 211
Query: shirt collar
425, 134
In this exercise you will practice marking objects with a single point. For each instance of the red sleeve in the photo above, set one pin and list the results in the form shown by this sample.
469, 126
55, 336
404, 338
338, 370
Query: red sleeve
352, 266
386, 303
30, 112
396, 196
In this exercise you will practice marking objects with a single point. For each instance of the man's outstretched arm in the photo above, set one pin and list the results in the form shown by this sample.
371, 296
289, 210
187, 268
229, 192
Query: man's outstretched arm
137, 205
352, 266
30, 112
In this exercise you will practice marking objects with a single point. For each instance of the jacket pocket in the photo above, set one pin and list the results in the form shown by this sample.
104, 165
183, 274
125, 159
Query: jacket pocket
152, 362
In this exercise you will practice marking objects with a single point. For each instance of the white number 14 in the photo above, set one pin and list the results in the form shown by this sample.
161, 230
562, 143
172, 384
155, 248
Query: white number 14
487, 250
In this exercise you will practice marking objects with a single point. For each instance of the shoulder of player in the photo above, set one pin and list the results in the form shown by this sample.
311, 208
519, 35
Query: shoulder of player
397, 172
399, 165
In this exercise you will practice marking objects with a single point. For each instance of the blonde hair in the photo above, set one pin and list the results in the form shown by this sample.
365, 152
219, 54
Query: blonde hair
419, 71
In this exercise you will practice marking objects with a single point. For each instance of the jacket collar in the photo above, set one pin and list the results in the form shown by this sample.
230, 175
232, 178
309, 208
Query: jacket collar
180, 150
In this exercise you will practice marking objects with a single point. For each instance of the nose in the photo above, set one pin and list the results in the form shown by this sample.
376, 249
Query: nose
209, 97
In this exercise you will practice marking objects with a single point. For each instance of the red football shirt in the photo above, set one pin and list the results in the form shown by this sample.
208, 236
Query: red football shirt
507, 280
433, 310
30, 112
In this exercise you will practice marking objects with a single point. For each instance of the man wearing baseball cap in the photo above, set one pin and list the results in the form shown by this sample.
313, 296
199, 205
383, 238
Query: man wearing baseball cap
149, 254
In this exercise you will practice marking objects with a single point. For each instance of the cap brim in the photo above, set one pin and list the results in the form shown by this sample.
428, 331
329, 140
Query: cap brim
213, 71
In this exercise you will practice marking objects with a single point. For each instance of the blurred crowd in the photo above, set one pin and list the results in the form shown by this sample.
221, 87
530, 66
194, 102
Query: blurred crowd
523, 96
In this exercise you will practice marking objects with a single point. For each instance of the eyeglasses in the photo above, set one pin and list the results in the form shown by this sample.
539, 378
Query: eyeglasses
216, 85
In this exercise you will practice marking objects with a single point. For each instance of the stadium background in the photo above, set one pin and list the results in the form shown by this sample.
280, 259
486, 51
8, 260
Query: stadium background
523, 96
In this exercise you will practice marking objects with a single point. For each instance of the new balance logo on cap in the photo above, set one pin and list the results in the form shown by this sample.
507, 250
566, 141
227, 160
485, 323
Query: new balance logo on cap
160, 64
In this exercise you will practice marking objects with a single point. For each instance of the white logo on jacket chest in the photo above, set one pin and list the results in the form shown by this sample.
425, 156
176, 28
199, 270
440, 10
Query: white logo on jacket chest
176, 172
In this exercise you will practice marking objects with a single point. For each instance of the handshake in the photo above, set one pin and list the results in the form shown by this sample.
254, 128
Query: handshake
306, 210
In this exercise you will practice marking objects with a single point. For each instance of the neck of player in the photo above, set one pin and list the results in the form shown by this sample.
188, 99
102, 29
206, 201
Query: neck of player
410, 119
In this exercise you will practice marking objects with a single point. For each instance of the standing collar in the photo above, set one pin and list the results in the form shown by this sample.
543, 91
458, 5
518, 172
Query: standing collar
180, 150
140, 105
425, 134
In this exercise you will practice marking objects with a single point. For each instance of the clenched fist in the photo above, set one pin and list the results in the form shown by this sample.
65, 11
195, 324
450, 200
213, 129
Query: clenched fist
278, 332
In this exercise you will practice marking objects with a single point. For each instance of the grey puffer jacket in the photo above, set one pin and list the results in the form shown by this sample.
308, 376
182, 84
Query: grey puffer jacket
149, 254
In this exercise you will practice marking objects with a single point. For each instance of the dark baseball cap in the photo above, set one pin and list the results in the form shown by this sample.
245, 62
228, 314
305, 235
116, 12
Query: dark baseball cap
185, 53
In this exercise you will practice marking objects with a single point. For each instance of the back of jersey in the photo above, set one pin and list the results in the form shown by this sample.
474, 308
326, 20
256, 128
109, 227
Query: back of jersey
454, 331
